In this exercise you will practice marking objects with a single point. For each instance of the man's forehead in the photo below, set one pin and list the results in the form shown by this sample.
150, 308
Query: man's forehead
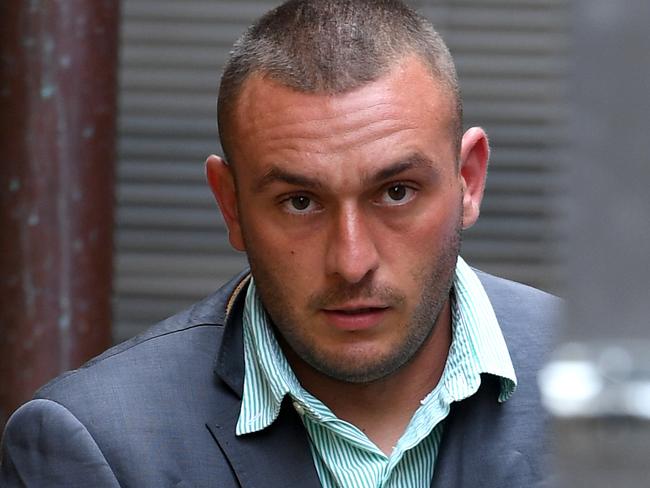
411, 75
405, 111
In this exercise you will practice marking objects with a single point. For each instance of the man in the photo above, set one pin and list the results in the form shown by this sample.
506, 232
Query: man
360, 350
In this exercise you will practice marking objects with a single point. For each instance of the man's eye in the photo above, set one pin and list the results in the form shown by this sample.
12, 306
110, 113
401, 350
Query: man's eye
397, 194
299, 204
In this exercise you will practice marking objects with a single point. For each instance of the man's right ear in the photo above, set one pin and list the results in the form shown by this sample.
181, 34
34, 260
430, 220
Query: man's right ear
222, 183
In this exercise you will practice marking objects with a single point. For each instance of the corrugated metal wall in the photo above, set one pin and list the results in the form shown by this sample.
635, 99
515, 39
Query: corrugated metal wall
171, 244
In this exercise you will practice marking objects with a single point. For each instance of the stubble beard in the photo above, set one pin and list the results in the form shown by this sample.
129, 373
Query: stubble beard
436, 282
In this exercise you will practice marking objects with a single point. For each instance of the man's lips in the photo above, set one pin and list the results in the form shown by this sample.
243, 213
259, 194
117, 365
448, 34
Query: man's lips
355, 317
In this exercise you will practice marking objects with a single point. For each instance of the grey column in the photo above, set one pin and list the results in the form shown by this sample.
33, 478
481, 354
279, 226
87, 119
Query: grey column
598, 385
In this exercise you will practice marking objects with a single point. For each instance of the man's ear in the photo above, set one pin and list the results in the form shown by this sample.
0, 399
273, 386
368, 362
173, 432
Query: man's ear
222, 183
474, 155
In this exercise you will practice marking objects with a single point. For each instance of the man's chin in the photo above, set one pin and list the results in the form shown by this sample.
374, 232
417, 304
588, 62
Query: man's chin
354, 369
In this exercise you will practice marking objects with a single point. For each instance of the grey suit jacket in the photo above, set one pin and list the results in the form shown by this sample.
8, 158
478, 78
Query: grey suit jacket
160, 411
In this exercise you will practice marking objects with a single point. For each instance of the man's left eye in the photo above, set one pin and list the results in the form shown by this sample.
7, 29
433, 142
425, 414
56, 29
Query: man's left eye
397, 194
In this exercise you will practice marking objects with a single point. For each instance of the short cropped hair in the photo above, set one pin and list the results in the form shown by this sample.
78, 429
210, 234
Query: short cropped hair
331, 47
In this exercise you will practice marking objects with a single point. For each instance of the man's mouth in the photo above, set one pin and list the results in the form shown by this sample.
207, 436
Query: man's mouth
353, 318
358, 310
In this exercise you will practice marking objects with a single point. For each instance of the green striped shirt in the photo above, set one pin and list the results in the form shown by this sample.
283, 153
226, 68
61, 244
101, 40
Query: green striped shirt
343, 455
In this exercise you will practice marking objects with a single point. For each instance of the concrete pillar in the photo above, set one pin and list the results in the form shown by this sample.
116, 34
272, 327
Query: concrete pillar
58, 64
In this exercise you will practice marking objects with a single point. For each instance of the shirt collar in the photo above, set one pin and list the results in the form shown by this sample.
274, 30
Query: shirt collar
477, 347
478, 344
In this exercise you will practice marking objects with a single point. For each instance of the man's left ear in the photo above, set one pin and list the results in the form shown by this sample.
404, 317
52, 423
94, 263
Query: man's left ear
474, 155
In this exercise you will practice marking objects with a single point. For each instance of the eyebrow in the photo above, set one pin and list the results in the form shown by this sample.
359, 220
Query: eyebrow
277, 174
413, 161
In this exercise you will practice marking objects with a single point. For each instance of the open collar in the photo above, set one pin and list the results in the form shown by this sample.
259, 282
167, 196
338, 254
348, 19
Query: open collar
277, 456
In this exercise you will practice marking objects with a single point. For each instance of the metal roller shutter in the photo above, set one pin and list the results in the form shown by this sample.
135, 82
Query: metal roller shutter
512, 58
171, 247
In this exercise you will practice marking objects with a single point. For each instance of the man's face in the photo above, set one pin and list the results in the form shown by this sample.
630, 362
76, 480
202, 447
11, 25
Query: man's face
350, 209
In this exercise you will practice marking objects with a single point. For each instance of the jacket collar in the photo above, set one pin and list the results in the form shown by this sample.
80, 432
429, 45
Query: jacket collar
277, 456
229, 365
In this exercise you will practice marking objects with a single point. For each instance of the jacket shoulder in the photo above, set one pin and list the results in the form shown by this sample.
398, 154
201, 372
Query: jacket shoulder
504, 291
174, 338
528, 317
141, 404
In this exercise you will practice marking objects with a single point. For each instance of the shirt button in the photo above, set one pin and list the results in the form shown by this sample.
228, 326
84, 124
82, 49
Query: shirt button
299, 408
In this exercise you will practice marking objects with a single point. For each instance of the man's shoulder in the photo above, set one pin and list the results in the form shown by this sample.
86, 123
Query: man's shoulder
529, 319
186, 342
505, 290
520, 304
133, 411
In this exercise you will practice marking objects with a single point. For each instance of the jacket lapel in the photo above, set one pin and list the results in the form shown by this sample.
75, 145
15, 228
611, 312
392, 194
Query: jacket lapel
276, 456
473, 453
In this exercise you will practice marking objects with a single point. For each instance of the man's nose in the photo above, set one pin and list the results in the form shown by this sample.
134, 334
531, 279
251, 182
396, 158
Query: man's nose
351, 252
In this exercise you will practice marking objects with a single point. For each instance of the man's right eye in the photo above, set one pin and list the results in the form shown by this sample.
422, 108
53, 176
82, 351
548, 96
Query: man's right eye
299, 204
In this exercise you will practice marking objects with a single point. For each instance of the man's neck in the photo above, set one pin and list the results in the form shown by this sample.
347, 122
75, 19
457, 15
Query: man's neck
383, 409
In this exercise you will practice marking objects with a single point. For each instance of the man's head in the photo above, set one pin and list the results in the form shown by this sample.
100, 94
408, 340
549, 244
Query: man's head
330, 47
349, 195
